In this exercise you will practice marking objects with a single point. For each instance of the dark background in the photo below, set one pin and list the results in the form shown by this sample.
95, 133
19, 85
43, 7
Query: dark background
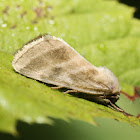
134, 3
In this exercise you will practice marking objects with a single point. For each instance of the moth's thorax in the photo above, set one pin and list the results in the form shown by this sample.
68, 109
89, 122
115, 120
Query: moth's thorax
107, 78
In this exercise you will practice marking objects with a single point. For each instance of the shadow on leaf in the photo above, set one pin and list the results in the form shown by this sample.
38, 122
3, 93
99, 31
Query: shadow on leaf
60, 129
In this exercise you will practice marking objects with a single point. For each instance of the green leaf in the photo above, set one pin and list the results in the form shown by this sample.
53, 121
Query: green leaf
103, 32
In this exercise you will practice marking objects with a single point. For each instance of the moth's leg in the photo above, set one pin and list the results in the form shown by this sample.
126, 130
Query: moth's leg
59, 87
70, 91
117, 108
114, 105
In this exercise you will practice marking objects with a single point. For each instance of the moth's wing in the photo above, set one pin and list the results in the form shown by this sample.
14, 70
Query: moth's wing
51, 60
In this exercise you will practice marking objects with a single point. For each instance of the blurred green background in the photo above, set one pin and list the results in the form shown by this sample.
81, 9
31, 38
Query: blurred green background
104, 32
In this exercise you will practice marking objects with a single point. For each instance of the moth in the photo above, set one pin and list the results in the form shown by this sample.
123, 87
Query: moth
51, 60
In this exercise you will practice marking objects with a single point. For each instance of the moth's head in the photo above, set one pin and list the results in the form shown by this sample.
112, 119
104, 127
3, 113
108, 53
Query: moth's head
108, 79
109, 83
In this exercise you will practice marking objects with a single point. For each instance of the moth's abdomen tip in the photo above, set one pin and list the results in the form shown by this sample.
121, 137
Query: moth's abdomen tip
13, 63
15, 66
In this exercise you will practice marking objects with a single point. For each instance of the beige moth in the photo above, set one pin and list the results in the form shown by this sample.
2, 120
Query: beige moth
51, 60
